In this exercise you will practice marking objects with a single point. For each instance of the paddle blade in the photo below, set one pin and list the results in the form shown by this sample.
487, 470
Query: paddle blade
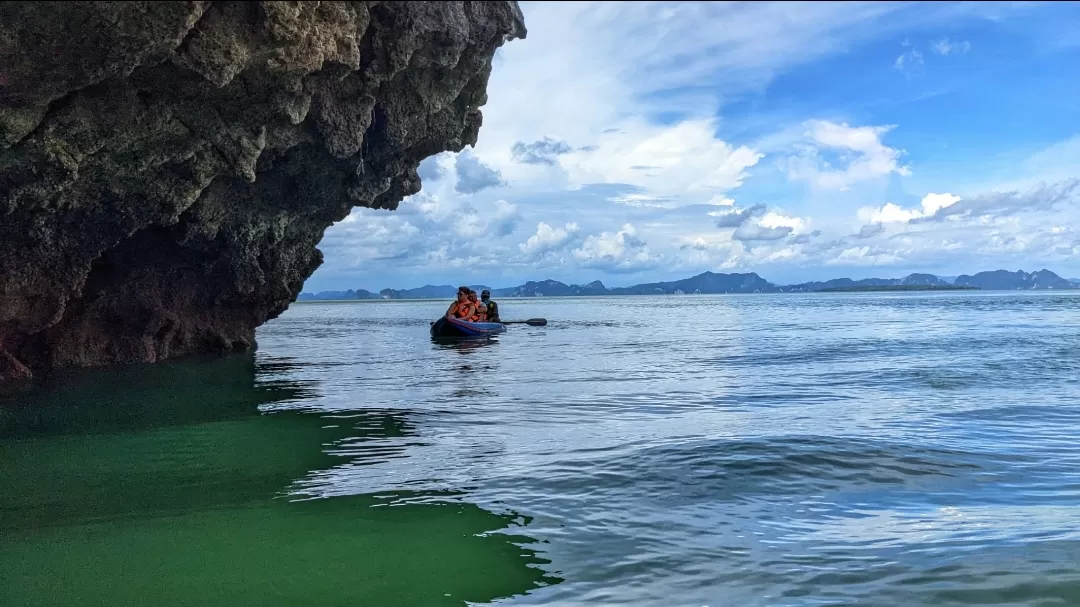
532, 322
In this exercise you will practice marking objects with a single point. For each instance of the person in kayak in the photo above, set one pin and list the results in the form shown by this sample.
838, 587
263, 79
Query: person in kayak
462, 308
491, 307
479, 308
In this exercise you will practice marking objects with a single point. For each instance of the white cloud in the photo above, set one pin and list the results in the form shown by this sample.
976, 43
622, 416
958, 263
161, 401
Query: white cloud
473, 175
736, 218
932, 203
986, 208
894, 213
1046, 198
578, 118
756, 224
363, 238
576, 85
685, 158
576, 74
908, 59
548, 239
889, 213
911, 60
863, 256
758, 232
621, 251
859, 153
870, 230
435, 228
946, 46
499, 221
773, 219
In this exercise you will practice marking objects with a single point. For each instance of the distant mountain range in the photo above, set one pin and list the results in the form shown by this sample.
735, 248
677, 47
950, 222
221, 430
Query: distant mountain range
710, 282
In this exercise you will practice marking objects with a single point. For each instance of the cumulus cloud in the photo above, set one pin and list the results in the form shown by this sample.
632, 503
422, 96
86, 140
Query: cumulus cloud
431, 169
497, 222
698, 244
1043, 198
804, 238
667, 162
860, 154
752, 232
938, 207
894, 213
622, 251
946, 46
433, 229
473, 175
577, 120
734, 219
639, 114
756, 224
870, 230
547, 239
864, 256
504, 220
774, 219
544, 151
720, 201
363, 238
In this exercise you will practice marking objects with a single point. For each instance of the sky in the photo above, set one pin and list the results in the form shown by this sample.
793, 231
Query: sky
633, 142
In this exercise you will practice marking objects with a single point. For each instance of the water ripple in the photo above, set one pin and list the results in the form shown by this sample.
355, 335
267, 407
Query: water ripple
802, 449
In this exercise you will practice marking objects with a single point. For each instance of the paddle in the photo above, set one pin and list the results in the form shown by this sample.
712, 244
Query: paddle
532, 322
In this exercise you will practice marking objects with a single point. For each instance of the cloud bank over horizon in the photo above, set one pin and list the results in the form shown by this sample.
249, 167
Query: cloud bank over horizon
798, 141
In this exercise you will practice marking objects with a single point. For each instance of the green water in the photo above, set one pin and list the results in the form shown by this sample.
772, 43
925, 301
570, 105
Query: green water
168, 485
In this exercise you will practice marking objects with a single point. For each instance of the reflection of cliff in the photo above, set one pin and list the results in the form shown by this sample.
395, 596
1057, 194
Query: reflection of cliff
167, 168
153, 440
167, 483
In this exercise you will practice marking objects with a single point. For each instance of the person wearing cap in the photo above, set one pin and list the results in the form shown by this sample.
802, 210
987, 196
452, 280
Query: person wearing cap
492, 307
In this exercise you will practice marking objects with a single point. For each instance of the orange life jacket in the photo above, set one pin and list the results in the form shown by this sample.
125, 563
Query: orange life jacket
481, 313
463, 311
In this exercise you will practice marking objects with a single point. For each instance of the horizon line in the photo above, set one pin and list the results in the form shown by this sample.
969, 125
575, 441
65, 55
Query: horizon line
573, 284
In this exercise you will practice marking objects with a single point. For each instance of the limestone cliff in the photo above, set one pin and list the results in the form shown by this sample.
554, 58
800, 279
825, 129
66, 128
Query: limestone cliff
168, 168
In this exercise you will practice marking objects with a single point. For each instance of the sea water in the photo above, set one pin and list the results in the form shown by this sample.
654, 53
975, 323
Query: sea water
743, 450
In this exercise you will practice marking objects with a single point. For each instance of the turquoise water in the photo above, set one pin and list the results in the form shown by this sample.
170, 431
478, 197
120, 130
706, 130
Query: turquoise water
820, 449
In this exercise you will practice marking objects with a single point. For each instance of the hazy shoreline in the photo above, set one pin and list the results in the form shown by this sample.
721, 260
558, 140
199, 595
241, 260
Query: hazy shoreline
675, 295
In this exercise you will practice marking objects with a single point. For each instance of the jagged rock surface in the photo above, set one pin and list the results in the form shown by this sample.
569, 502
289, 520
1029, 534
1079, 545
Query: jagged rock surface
168, 168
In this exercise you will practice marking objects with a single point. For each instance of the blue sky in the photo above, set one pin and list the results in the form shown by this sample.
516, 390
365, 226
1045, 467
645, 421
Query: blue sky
630, 142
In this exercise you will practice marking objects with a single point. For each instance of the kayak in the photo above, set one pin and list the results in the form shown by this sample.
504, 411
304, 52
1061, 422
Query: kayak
455, 328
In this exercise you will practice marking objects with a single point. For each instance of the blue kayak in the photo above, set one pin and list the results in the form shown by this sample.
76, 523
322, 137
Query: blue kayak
455, 328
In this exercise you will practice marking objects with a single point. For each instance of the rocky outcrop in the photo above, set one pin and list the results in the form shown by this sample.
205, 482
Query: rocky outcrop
168, 168
1002, 280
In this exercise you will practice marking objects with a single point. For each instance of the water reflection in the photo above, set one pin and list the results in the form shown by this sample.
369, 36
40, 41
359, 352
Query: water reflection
473, 367
463, 346
138, 397
189, 483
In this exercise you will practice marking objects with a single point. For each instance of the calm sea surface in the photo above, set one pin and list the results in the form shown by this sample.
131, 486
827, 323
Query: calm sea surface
826, 449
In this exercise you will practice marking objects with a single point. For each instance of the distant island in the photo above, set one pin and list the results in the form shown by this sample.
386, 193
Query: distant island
870, 288
713, 283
